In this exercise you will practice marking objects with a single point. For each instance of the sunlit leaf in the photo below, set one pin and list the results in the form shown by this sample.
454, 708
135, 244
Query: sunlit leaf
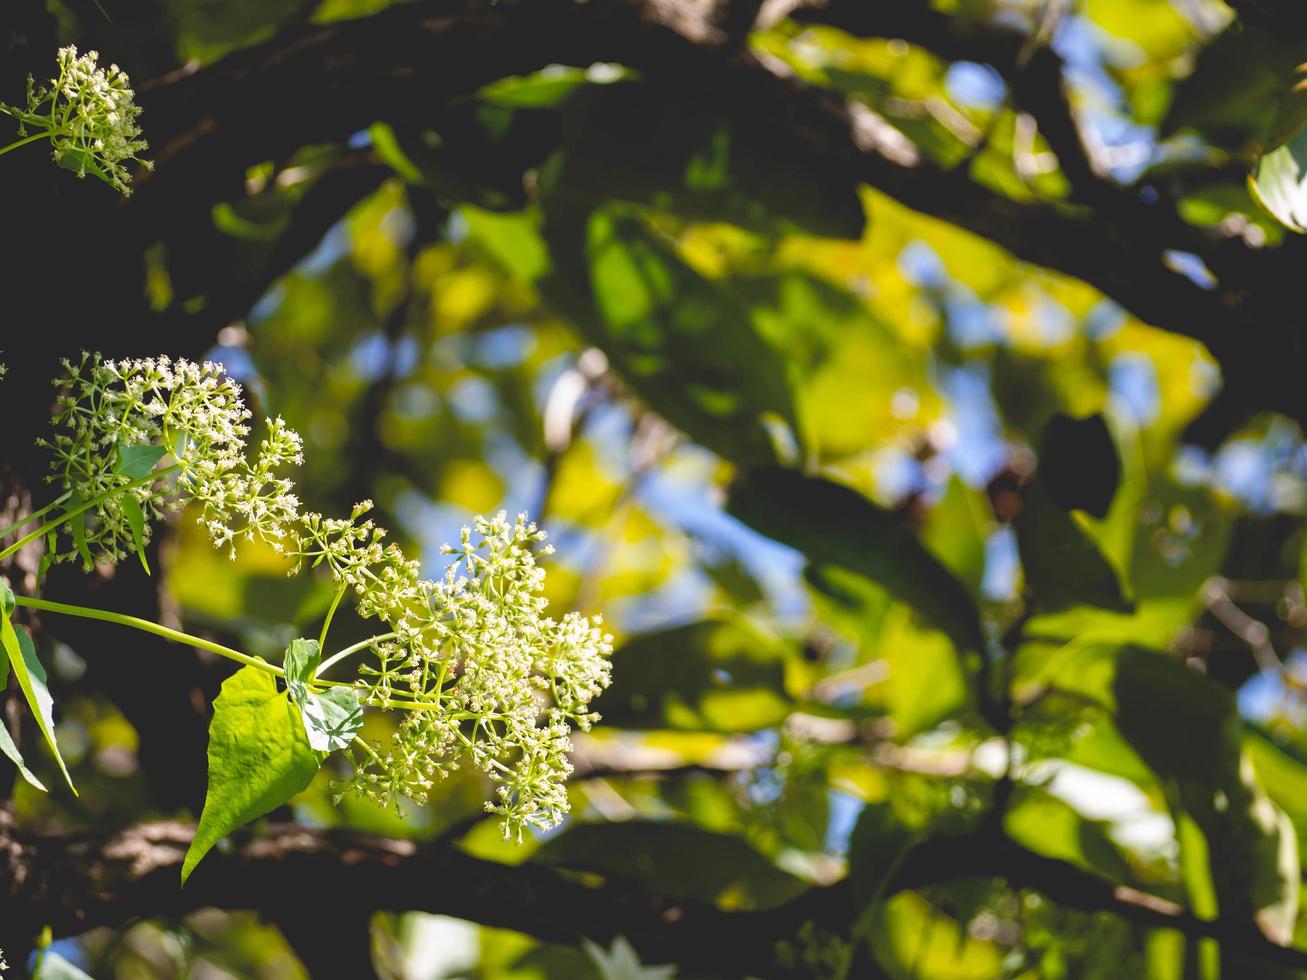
259, 757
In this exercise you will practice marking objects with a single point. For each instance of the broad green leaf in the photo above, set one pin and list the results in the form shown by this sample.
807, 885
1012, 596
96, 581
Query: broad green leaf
1241, 93
1188, 731
912, 939
1284, 776
1078, 465
835, 525
31, 681
137, 461
715, 675
1049, 826
639, 143
684, 343
534, 91
878, 844
675, 859
955, 532
301, 662
136, 521
1063, 567
332, 717
1279, 183
259, 757
512, 240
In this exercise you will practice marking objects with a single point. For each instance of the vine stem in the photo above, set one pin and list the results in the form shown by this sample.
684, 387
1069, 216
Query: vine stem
106, 616
23, 142
81, 508
326, 623
177, 636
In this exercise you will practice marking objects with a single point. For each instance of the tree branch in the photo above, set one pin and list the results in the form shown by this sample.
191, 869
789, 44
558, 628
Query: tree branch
76, 882
326, 82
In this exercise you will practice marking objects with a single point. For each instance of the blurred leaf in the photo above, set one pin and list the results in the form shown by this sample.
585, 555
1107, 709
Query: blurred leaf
636, 142
51, 966
912, 940
685, 344
955, 532
1187, 729
208, 29
677, 860
1279, 183
879, 843
834, 525
1241, 93
1048, 826
715, 675
1063, 568
259, 757
1078, 465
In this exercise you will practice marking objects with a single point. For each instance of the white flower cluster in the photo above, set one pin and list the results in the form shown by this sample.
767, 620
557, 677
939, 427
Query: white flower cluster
108, 411
474, 667
90, 114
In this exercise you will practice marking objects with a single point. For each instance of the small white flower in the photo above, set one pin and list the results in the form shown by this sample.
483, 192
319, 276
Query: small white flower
621, 962
90, 115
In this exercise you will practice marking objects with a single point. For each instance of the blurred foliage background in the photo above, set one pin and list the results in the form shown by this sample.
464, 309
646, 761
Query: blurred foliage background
901, 537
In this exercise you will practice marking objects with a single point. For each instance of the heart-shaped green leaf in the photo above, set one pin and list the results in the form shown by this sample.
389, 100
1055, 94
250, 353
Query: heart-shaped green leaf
259, 757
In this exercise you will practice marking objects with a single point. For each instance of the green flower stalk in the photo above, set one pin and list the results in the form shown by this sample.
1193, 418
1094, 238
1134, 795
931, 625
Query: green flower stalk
88, 114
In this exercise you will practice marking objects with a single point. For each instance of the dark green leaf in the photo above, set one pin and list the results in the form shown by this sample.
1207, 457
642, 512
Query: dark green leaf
834, 525
685, 344
678, 860
716, 675
1078, 465
259, 757
31, 681
636, 142
1241, 92
1063, 566
137, 461
879, 842
1187, 730
136, 521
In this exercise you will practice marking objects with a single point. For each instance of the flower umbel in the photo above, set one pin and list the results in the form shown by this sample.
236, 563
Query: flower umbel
190, 413
479, 673
89, 115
